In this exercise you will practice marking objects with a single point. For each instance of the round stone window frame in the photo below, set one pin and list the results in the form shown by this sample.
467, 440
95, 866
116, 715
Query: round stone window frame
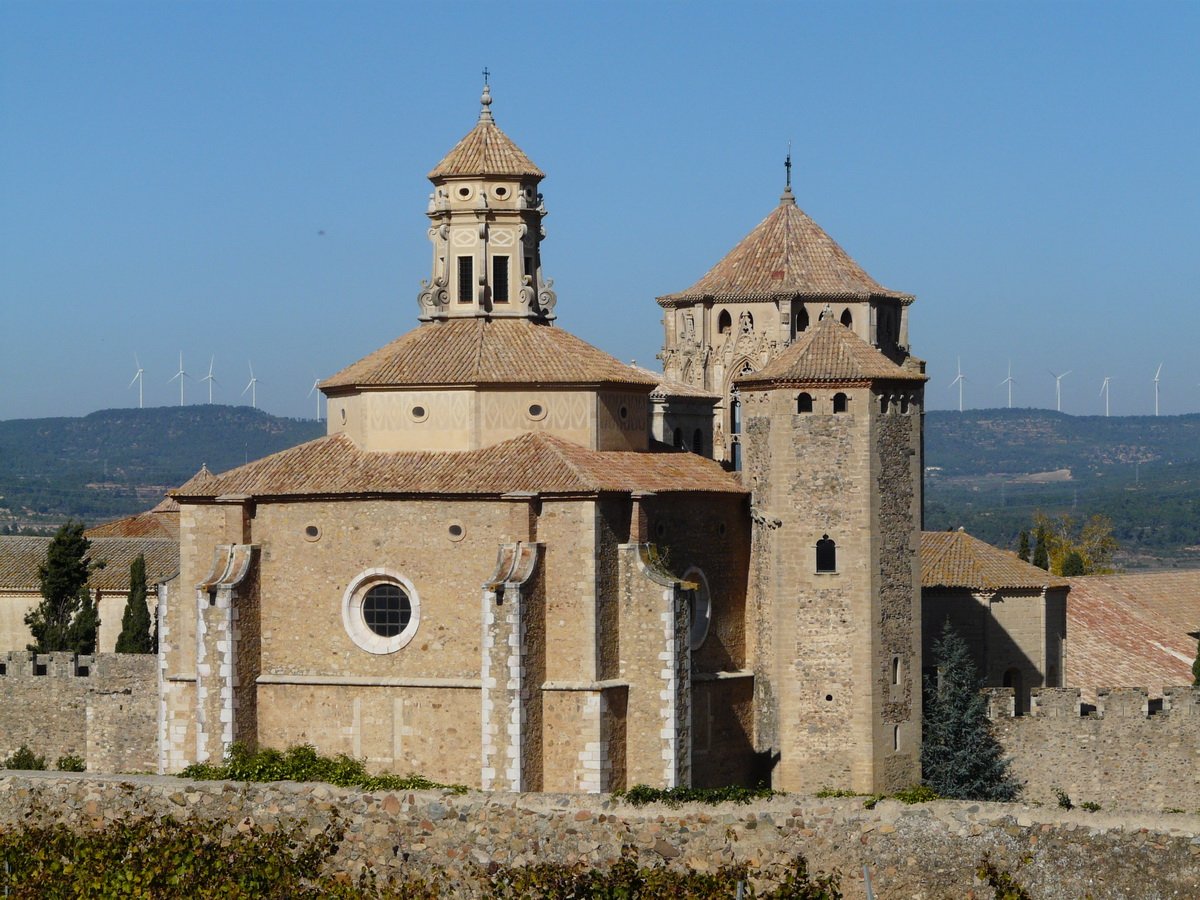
356, 625
701, 612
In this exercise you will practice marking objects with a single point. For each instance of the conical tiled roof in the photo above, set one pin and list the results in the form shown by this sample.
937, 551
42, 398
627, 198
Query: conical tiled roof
788, 255
486, 150
487, 351
830, 352
954, 559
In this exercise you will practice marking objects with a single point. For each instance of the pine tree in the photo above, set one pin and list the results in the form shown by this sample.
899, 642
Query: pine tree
1073, 565
66, 619
1023, 546
135, 636
960, 757
1041, 549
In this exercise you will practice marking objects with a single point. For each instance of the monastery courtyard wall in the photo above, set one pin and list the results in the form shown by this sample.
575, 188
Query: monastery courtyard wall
929, 850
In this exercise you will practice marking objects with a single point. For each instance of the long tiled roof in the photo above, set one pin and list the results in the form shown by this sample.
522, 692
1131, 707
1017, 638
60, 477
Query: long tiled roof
473, 351
830, 352
536, 462
486, 150
787, 255
20, 557
1132, 630
954, 559
160, 522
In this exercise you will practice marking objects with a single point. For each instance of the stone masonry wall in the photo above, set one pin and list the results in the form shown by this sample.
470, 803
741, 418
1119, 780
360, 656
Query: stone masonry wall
928, 851
1119, 756
102, 708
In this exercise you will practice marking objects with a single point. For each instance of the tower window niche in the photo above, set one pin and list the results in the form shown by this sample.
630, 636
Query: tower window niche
500, 279
804, 403
826, 554
466, 278
847, 319
802, 320
840, 402
724, 322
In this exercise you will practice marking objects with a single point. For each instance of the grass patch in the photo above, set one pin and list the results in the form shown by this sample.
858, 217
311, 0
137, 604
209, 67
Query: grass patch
642, 794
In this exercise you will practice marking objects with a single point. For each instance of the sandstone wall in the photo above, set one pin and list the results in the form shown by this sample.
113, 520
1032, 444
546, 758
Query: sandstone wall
1119, 755
928, 851
102, 708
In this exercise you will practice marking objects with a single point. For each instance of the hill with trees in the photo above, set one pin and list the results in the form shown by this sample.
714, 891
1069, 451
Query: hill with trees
117, 462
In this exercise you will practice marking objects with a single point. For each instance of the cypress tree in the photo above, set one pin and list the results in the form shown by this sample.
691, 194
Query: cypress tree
960, 757
1196, 667
66, 619
1041, 550
1073, 564
135, 636
1023, 546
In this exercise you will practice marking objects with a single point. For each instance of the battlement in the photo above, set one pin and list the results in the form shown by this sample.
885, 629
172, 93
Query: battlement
1111, 703
19, 665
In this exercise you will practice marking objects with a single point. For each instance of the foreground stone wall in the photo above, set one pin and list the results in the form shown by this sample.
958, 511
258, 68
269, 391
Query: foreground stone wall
1123, 753
102, 708
928, 851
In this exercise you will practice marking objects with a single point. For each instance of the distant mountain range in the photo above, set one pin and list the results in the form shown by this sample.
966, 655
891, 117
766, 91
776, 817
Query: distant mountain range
986, 470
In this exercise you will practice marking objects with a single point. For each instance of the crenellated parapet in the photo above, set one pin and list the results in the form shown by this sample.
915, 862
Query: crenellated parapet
1111, 703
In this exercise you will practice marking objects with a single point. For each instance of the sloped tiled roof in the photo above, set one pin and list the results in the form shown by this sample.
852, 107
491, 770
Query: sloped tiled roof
20, 557
486, 150
830, 352
481, 351
670, 388
1132, 630
160, 522
786, 255
954, 559
534, 462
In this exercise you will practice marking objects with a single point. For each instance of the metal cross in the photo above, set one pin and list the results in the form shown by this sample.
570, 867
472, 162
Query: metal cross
486, 73
787, 164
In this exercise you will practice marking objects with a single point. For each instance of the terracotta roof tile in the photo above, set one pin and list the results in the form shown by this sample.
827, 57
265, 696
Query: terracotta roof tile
1132, 631
472, 351
830, 352
668, 387
486, 150
160, 522
531, 462
954, 559
20, 557
786, 255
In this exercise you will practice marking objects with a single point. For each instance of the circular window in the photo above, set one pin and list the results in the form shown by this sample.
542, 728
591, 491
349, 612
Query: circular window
464, 193
537, 411
312, 533
501, 192
381, 611
701, 608
419, 413
456, 531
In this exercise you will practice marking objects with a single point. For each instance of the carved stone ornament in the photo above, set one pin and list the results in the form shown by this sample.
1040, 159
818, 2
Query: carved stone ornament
433, 297
547, 298
527, 292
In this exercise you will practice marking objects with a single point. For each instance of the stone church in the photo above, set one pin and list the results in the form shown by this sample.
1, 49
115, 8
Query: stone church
520, 564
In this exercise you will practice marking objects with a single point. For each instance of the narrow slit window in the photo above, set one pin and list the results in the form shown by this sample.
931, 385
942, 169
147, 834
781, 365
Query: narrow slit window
466, 278
826, 555
500, 279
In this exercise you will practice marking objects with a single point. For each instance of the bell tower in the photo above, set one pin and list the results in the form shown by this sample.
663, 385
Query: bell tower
485, 216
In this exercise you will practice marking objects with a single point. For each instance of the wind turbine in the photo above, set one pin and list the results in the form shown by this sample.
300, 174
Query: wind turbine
959, 380
138, 378
251, 387
1104, 393
1058, 388
1009, 382
313, 390
210, 378
181, 375
1156, 374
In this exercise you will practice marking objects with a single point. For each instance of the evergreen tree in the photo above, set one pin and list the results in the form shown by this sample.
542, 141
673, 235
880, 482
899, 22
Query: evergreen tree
1041, 549
1023, 546
135, 636
66, 619
1073, 565
1196, 667
960, 757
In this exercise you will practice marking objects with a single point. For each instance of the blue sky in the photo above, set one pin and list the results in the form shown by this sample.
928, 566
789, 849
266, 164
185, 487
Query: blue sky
1029, 171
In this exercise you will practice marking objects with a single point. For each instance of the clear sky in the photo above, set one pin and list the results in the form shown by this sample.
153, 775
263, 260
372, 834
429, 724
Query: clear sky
246, 181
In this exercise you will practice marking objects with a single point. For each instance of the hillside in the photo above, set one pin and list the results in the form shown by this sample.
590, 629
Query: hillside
120, 461
991, 470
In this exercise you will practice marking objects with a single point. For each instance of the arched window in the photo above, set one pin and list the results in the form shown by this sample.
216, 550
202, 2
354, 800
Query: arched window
698, 441
826, 555
678, 439
724, 322
847, 319
802, 320
840, 402
735, 414
804, 403
895, 670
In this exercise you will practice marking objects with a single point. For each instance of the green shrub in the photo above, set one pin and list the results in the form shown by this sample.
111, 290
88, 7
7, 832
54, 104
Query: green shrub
25, 759
1090, 806
872, 800
1064, 799
70, 763
303, 763
642, 794
917, 793
825, 793
1006, 887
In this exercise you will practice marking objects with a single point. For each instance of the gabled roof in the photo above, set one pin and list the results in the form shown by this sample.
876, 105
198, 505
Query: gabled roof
954, 559
160, 522
830, 353
471, 351
787, 255
20, 557
486, 150
668, 387
1132, 630
534, 462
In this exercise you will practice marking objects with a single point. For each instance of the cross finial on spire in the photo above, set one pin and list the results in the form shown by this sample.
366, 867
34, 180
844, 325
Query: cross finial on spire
486, 75
787, 165
485, 114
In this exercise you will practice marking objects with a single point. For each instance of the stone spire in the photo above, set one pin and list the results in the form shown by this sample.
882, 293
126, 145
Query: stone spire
486, 228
